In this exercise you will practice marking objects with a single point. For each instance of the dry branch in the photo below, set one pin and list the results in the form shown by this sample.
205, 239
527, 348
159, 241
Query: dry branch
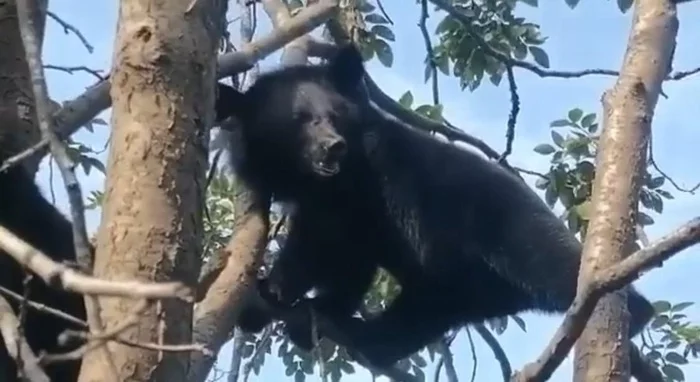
64, 277
14, 342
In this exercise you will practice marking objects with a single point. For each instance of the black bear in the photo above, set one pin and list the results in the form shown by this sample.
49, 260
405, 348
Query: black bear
466, 239
26, 213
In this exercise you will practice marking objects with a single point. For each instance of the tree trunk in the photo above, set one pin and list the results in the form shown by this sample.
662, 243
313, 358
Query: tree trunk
602, 351
163, 71
18, 128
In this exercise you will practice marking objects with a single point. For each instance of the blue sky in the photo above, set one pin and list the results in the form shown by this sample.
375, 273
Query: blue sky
591, 36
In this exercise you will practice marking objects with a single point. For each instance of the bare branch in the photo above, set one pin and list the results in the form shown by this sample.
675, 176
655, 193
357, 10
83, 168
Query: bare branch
64, 277
70, 28
606, 281
73, 69
17, 346
497, 350
42, 308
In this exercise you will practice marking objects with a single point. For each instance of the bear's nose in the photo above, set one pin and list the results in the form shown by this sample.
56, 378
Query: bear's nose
336, 149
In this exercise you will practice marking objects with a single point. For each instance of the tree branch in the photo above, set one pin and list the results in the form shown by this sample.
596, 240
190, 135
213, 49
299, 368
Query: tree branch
605, 281
17, 346
61, 276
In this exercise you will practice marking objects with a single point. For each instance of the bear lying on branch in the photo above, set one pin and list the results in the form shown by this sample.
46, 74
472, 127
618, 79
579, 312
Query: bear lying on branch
466, 239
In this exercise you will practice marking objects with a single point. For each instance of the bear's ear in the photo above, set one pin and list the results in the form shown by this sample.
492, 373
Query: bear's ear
346, 68
230, 102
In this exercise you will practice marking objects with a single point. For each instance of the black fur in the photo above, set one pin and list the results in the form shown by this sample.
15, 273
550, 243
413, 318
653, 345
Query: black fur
466, 239
25, 212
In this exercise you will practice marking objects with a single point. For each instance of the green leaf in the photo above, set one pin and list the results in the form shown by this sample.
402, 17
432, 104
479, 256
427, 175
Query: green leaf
557, 139
544, 149
644, 219
541, 183
406, 99
383, 51
575, 115
676, 358
365, 6
443, 64
519, 321
540, 56
661, 306
420, 375
499, 324
560, 123
418, 360
572, 3
588, 120
584, 210
94, 162
428, 72
384, 32
424, 110
376, 19
664, 193
294, 4
573, 221
659, 321
656, 182
681, 306
673, 371
346, 367
532, 3
496, 78
550, 195
624, 5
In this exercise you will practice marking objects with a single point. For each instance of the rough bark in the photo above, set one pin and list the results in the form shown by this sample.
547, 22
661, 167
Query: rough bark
163, 71
18, 129
602, 351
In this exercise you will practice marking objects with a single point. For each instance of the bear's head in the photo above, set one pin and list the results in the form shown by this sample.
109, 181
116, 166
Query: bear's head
299, 119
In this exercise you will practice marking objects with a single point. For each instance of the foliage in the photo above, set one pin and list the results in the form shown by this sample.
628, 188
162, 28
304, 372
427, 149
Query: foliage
493, 27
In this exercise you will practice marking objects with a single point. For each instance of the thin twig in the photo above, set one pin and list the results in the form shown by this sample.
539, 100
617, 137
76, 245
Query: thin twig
17, 346
498, 352
73, 69
70, 28
429, 49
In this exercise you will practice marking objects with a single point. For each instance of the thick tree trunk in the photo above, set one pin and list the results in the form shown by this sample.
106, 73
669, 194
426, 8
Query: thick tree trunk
602, 351
162, 79
18, 128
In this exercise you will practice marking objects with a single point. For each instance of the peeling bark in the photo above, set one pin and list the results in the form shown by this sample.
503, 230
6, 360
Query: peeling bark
163, 71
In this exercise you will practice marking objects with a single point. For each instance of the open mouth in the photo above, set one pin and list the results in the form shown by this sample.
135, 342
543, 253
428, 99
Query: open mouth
326, 168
